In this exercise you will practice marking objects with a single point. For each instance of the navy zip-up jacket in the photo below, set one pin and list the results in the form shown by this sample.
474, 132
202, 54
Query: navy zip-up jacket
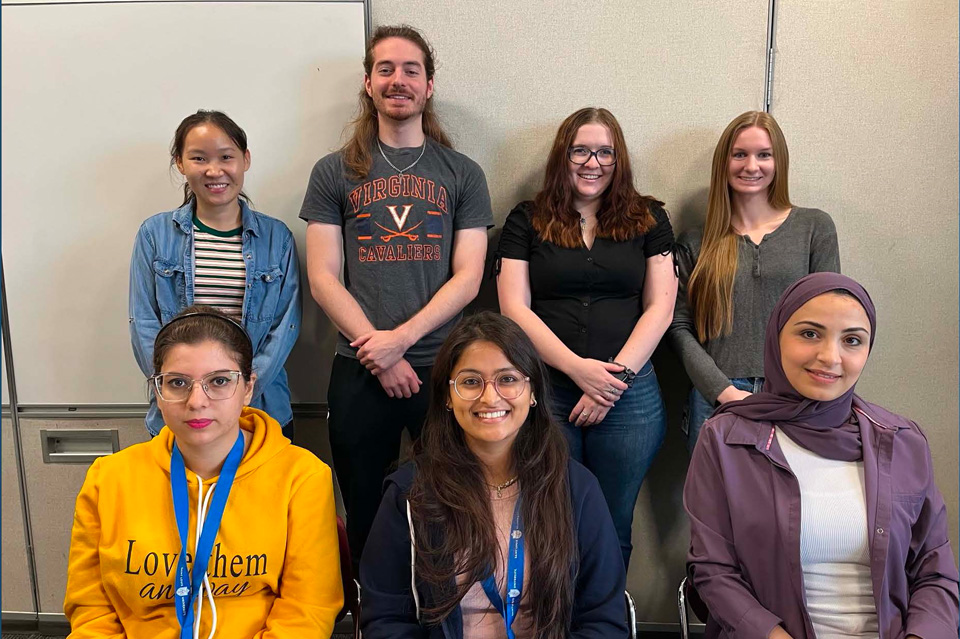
389, 607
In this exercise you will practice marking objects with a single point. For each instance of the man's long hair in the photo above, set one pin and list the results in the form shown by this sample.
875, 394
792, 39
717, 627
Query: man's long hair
357, 152
450, 500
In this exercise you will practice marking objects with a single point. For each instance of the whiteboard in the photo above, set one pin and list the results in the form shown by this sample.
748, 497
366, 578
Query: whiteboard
92, 94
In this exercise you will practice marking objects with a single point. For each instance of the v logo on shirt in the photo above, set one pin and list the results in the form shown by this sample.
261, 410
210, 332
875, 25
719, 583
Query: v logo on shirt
399, 219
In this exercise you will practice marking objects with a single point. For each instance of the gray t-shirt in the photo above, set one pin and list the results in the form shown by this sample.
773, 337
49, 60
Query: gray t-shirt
398, 231
806, 242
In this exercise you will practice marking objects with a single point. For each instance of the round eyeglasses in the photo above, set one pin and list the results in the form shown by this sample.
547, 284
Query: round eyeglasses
174, 387
470, 386
581, 155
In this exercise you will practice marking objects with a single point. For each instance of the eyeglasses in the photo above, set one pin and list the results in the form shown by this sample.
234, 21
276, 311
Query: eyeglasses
470, 386
174, 387
581, 155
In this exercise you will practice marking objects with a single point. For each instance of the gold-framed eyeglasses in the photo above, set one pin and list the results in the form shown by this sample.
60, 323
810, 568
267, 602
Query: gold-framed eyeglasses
470, 386
174, 387
581, 155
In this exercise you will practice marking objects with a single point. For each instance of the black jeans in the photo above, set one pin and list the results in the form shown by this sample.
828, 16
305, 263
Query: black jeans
365, 428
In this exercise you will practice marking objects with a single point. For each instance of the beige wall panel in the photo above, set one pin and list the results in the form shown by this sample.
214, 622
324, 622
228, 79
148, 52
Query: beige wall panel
123, 70
509, 72
866, 94
52, 490
674, 75
16, 596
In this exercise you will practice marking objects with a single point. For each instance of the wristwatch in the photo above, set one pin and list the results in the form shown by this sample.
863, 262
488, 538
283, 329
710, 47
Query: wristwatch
626, 375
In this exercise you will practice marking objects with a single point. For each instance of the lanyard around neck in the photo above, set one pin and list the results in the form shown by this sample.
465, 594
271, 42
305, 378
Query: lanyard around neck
514, 576
188, 582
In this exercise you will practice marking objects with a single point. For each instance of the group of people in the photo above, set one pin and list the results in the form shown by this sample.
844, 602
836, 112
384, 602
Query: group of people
813, 513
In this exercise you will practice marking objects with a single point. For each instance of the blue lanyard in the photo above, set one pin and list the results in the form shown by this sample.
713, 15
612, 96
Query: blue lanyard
514, 576
188, 583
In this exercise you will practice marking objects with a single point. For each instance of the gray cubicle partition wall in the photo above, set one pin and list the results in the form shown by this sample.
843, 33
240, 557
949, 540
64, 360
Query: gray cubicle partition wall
867, 95
92, 94
875, 83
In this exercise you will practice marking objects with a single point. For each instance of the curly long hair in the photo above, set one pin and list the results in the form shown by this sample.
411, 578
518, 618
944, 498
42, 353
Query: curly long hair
450, 502
357, 155
710, 290
624, 214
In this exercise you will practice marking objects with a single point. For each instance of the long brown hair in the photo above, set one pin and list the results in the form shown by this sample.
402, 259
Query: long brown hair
356, 152
710, 290
624, 213
450, 502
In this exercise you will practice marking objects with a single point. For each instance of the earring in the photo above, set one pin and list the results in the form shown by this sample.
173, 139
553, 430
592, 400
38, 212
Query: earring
449, 408
533, 402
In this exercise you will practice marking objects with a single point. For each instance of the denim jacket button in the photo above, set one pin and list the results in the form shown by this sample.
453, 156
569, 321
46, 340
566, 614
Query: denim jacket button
879, 531
166, 272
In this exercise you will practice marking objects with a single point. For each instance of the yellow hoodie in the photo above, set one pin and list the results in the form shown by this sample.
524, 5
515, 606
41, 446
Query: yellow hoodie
275, 565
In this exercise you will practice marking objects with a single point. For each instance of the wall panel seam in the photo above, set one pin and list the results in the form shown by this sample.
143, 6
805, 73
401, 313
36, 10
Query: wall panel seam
770, 55
18, 449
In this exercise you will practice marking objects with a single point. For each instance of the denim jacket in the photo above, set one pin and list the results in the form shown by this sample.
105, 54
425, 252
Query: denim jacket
161, 285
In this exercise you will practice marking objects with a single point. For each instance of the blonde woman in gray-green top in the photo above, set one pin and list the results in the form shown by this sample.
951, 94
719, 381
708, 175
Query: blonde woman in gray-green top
754, 245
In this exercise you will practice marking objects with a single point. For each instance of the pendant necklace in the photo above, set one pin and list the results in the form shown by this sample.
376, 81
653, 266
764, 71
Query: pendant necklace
506, 484
402, 171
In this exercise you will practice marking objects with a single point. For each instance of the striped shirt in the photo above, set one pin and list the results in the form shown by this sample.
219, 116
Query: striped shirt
220, 272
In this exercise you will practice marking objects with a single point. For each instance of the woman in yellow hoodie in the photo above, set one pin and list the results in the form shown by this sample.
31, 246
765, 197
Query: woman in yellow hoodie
264, 562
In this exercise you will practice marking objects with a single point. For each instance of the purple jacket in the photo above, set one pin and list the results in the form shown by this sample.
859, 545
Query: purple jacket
744, 509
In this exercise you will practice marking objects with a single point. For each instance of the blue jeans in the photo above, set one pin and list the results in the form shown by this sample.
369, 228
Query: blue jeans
699, 410
620, 449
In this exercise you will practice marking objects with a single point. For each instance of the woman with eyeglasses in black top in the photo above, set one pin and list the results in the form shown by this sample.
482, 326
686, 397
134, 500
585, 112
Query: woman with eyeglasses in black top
586, 271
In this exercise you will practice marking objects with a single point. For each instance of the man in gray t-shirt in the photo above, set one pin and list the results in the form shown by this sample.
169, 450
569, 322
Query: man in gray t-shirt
408, 216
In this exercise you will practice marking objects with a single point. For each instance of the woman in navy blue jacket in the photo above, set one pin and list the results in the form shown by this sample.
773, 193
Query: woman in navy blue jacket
491, 531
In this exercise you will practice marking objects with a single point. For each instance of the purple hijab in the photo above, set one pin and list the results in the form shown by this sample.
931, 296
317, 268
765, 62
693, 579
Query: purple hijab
828, 428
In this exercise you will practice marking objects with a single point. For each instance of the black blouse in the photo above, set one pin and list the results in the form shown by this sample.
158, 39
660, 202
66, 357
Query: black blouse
590, 298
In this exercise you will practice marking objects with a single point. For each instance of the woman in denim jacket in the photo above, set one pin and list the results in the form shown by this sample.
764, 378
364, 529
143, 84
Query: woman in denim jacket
216, 250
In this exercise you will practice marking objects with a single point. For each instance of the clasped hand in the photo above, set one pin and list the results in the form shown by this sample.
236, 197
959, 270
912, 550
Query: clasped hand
380, 350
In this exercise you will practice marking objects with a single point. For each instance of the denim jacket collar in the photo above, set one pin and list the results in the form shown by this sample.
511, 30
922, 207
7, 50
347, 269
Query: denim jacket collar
183, 217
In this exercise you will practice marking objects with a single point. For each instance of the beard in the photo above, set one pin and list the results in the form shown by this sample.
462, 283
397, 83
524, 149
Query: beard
406, 110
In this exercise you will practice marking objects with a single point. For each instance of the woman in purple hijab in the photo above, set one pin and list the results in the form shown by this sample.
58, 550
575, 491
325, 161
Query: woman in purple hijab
814, 514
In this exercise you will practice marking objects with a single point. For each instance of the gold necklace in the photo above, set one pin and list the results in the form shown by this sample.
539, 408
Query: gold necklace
506, 484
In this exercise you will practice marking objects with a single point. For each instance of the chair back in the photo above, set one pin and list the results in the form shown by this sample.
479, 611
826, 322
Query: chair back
687, 596
351, 589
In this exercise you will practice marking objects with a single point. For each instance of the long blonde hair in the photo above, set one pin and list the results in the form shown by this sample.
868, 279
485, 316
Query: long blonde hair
710, 290
356, 152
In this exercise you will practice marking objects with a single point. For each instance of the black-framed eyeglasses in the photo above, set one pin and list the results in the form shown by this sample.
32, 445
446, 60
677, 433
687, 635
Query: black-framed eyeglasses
470, 386
581, 155
174, 387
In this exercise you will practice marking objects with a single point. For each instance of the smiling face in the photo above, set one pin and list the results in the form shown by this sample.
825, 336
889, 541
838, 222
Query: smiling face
590, 180
200, 421
398, 80
824, 346
213, 166
751, 166
490, 423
